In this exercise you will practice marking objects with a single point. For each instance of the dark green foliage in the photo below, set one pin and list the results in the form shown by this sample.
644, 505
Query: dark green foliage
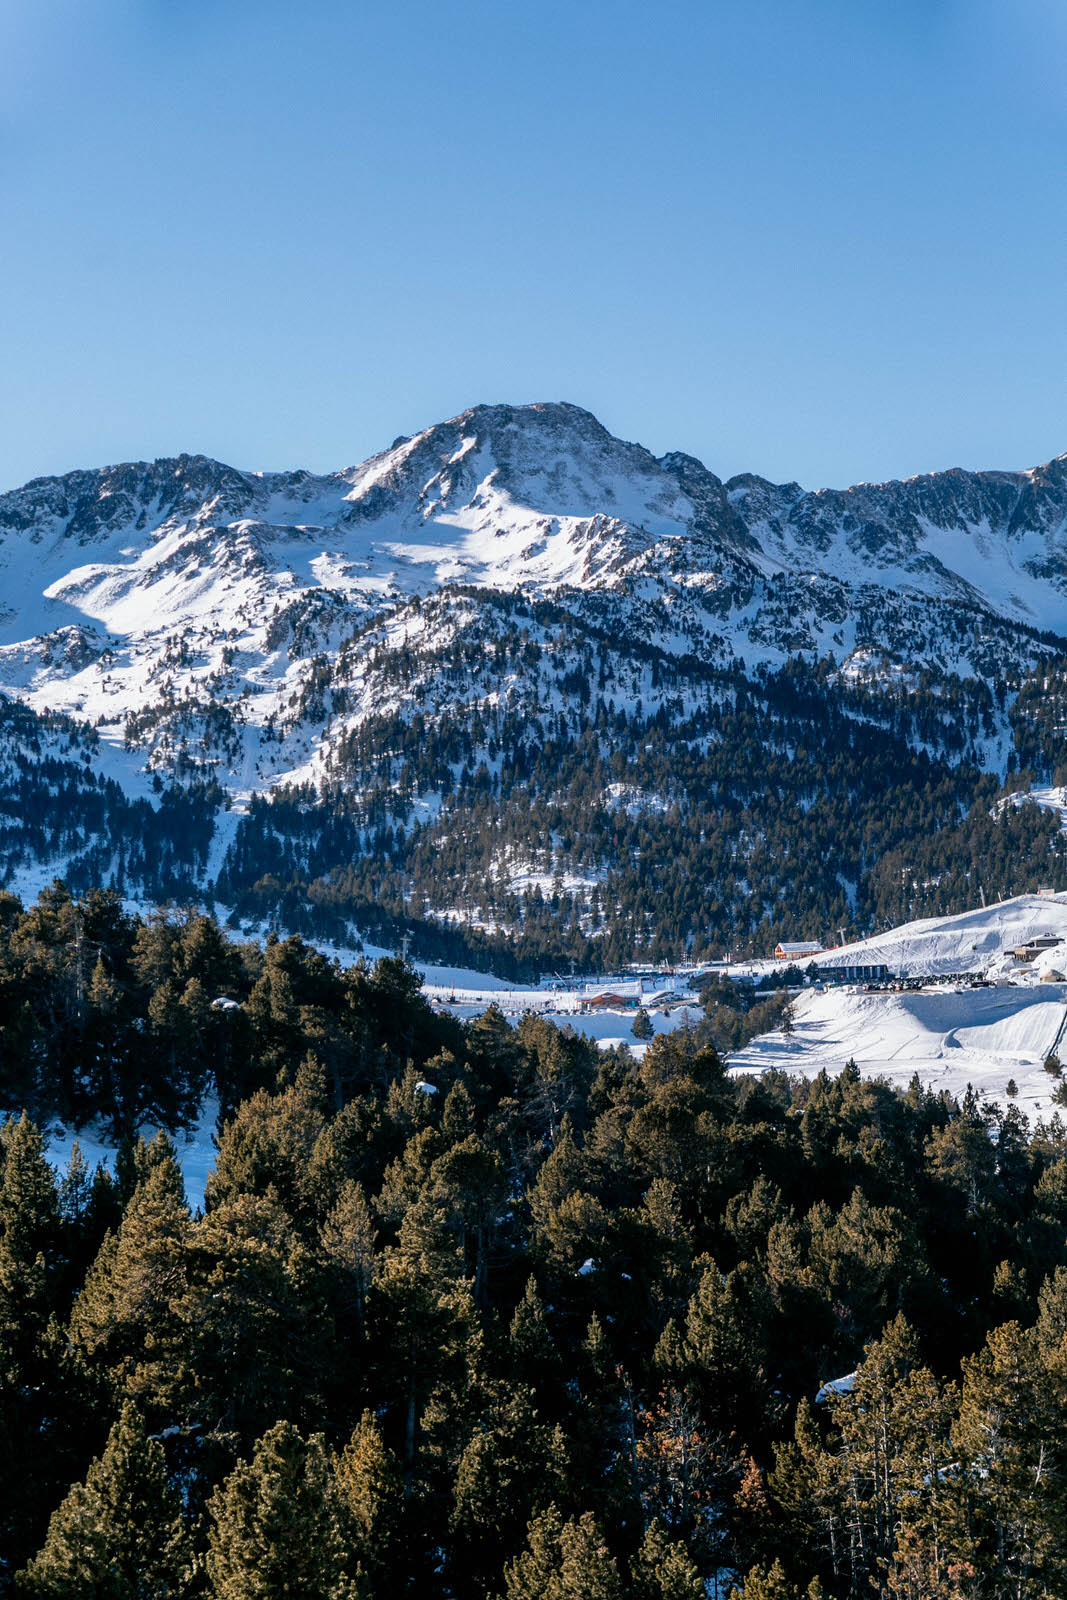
669, 802
277, 1525
118, 1536
699, 809
557, 1330
113, 1018
642, 1025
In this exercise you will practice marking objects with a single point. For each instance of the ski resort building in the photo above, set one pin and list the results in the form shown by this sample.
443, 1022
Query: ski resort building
865, 972
1034, 947
798, 952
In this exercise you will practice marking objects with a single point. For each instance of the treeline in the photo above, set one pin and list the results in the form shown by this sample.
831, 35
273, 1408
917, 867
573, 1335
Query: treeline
526, 791
525, 794
117, 1020
478, 1312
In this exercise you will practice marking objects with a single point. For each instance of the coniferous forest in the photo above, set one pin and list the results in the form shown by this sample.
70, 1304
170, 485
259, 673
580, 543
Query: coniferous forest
479, 1311
545, 803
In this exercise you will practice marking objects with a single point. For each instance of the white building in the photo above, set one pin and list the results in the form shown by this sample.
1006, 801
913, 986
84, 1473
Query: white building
798, 952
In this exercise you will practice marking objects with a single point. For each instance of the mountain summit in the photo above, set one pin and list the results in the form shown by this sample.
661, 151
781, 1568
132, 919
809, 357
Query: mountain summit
184, 582
518, 571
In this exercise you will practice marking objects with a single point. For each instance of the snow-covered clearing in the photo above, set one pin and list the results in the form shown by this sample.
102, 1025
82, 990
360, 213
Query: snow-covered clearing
605, 1028
1051, 798
196, 1154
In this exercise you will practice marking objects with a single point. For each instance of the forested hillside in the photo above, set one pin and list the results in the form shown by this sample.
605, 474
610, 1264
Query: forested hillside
590, 816
479, 1311
606, 815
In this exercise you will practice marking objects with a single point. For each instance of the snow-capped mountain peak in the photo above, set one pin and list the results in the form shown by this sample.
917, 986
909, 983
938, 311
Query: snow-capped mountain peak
145, 596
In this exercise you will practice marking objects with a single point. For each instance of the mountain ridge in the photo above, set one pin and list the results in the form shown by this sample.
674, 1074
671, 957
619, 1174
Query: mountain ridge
410, 634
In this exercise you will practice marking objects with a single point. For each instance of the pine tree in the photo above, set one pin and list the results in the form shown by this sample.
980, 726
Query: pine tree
663, 1569
562, 1172
642, 1025
512, 1465
29, 1240
258, 1332
534, 1574
269, 1144
588, 1571
564, 1561
724, 1353
277, 1525
348, 1238
422, 1336
1008, 1421
469, 1183
891, 1461
371, 1486
771, 1583
534, 1357
128, 1316
37, 1377
119, 1535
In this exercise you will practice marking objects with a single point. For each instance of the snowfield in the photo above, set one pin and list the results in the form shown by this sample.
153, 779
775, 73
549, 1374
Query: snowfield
183, 586
951, 1038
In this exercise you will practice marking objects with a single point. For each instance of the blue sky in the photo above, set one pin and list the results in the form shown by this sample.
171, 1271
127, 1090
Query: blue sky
818, 241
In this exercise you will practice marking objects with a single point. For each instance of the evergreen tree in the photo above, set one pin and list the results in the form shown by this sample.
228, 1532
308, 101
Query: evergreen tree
370, 1484
642, 1025
535, 1359
29, 1241
277, 1525
513, 1465
349, 1240
257, 1327
535, 1572
564, 1561
119, 1535
1008, 1417
588, 1570
771, 1583
129, 1316
663, 1569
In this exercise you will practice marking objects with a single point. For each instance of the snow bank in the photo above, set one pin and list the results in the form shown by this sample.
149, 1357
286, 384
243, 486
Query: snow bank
969, 942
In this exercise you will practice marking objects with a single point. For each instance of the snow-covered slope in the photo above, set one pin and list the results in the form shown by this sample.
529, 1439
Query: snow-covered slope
952, 1035
516, 567
981, 1037
975, 941
995, 538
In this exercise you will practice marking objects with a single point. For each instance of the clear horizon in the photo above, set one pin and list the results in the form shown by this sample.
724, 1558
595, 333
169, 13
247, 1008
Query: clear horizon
813, 241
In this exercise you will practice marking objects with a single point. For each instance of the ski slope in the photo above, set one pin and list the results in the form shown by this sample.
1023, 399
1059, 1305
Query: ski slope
972, 941
951, 1038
